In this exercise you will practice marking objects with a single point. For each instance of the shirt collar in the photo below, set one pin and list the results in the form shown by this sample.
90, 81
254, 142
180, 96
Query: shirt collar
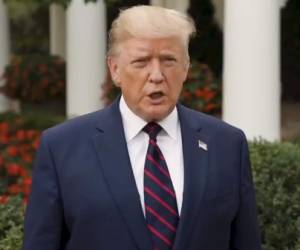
133, 124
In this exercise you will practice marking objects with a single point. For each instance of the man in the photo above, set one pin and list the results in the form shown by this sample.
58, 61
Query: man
145, 173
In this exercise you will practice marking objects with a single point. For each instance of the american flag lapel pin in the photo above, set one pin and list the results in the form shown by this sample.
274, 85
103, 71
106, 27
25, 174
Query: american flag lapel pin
202, 145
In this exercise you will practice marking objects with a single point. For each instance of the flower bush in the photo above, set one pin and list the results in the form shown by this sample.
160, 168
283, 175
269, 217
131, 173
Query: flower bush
19, 140
200, 91
18, 147
35, 78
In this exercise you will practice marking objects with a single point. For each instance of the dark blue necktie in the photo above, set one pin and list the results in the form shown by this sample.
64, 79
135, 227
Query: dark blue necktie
160, 200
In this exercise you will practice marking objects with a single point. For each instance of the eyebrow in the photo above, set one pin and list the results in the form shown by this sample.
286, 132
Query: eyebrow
141, 54
139, 58
168, 55
146, 55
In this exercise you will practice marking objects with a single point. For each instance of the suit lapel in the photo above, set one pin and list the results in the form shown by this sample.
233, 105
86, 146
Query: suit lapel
195, 171
113, 155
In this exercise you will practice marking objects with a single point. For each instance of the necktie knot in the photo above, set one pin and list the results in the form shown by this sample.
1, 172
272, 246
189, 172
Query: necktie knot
152, 129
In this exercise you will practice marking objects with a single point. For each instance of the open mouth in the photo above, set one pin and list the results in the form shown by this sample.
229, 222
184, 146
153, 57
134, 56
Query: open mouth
156, 95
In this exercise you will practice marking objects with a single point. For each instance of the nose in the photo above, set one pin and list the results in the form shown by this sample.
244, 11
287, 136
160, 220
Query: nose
156, 74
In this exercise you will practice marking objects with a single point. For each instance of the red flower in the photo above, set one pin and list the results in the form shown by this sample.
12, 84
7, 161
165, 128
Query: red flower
35, 143
27, 158
13, 169
210, 107
208, 94
4, 139
26, 190
31, 134
186, 94
23, 172
3, 199
14, 189
27, 181
12, 150
26, 186
21, 135
199, 92
4, 127
1, 161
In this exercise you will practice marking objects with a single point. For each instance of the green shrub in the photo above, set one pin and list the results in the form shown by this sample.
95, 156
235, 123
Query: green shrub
11, 224
296, 140
276, 170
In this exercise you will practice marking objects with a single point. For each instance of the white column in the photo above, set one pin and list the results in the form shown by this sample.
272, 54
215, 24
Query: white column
4, 51
251, 98
161, 3
57, 30
86, 49
283, 3
180, 5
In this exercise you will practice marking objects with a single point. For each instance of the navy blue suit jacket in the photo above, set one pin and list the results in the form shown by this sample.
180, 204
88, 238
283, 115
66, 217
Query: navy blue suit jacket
84, 195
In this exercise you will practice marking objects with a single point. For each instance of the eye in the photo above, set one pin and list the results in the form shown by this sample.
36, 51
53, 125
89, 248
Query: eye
169, 61
140, 63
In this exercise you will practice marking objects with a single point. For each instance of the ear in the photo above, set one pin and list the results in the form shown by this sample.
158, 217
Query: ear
112, 62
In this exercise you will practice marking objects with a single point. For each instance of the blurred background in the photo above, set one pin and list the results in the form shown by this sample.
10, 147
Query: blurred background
245, 69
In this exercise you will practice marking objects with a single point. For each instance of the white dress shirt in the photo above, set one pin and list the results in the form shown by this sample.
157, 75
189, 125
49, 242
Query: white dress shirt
169, 141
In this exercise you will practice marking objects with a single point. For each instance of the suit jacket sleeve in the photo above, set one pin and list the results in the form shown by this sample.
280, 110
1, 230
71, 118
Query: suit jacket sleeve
245, 231
44, 216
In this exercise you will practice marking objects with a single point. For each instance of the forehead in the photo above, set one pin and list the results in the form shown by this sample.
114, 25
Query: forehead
146, 46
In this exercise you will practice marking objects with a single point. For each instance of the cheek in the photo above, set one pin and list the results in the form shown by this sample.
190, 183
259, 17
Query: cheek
178, 90
134, 78
176, 83
132, 90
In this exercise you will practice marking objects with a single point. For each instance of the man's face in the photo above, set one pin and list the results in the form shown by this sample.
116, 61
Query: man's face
150, 73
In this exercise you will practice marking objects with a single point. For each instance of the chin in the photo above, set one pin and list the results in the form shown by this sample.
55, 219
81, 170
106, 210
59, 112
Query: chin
158, 114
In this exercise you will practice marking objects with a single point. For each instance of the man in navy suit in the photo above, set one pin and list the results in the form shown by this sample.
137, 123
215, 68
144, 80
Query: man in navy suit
104, 181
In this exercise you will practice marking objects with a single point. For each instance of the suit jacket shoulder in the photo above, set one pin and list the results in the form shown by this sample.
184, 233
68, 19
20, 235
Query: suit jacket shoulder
212, 125
78, 128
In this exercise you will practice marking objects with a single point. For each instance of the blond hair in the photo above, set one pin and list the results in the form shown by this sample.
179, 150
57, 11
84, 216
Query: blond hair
145, 21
